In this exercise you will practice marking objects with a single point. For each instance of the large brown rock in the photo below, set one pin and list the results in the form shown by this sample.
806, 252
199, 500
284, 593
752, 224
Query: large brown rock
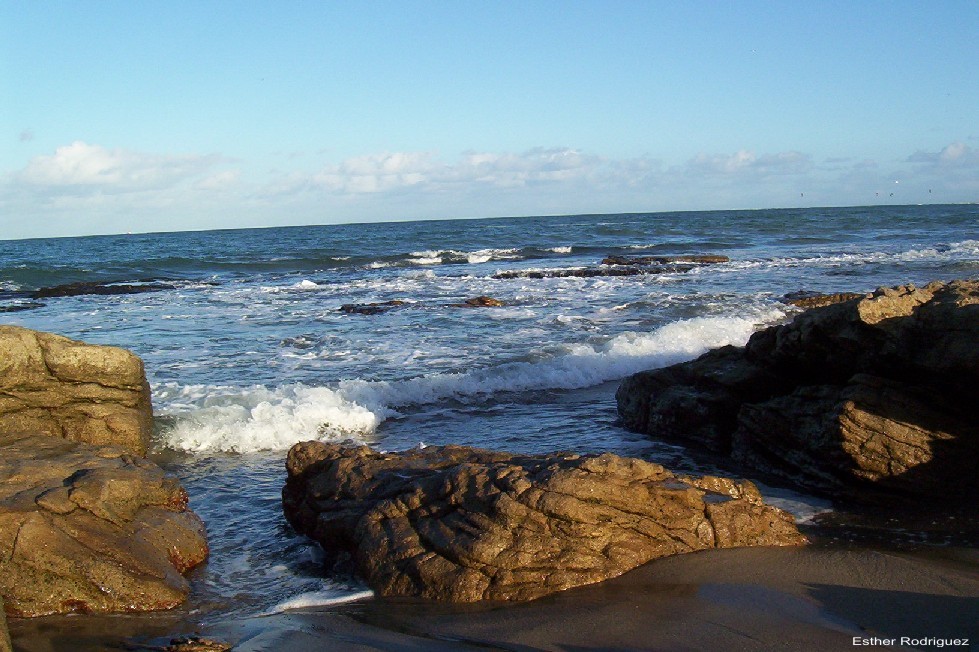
873, 395
60, 387
462, 524
91, 529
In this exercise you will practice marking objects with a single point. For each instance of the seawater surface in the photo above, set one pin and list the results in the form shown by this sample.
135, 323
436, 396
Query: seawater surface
247, 350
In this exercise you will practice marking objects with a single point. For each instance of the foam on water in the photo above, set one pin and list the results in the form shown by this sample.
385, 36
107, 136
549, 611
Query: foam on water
258, 418
323, 598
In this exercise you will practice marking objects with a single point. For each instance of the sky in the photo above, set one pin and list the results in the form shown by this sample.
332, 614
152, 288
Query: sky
164, 116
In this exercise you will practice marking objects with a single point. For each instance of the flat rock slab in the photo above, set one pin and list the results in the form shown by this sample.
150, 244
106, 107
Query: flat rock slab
64, 388
91, 529
462, 524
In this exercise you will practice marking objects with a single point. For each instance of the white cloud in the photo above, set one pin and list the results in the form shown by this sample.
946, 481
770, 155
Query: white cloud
80, 167
405, 171
954, 155
745, 162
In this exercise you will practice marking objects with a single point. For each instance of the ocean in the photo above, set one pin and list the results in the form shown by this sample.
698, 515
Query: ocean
248, 348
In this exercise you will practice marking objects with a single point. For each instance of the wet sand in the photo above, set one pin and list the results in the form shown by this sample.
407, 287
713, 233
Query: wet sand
809, 598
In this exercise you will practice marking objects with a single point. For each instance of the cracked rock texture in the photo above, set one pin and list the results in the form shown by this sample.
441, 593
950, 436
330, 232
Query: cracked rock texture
871, 397
91, 529
83, 392
462, 524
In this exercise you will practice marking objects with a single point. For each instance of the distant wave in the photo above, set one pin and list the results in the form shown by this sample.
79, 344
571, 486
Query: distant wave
951, 252
224, 418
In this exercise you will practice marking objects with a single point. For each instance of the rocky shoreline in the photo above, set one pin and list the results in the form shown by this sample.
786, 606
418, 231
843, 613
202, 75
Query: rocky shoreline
863, 398
866, 399
87, 524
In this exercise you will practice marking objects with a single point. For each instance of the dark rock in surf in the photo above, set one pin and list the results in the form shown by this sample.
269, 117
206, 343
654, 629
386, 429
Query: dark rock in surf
98, 288
22, 306
590, 272
371, 308
867, 398
479, 302
462, 524
708, 259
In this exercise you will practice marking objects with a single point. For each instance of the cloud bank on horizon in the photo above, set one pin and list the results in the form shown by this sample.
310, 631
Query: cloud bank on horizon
138, 190
152, 117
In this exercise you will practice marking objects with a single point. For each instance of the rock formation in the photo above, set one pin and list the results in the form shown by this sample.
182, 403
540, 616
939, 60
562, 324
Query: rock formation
91, 529
60, 387
462, 524
866, 397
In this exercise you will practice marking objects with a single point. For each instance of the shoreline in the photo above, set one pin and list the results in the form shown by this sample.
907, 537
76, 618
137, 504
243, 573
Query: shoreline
814, 597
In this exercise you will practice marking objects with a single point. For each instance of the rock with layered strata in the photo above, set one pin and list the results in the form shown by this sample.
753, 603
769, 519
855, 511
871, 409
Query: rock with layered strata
872, 396
64, 388
462, 524
91, 529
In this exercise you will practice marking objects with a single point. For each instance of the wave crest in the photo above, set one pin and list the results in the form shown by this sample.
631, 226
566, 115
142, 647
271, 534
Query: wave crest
258, 418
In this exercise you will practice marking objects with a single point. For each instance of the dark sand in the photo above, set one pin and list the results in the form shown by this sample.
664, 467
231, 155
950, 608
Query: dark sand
809, 598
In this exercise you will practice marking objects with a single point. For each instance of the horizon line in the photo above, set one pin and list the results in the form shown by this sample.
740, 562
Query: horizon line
475, 218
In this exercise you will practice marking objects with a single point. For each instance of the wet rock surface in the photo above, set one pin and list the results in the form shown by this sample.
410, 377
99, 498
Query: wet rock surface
807, 300
91, 529
371, 308
865, 398
462, 524
64, 388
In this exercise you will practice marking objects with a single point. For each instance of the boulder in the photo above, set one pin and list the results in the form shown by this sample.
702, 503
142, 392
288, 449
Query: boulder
91, 529
63, 388
866, 397
462, 524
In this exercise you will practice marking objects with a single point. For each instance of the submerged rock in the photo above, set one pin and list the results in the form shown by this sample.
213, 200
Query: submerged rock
21, 306
872, 396
91, 529
64, 388
99, 288
462, 524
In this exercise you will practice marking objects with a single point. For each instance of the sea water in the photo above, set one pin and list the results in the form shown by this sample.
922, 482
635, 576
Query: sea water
247, 350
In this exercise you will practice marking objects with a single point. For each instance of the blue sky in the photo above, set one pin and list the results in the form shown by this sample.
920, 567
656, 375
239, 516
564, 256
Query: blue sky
144, 116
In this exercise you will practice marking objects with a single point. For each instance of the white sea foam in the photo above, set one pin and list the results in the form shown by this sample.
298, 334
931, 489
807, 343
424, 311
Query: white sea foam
258, 418
559, 250
436, 257
306, 284
939, 253
319, 599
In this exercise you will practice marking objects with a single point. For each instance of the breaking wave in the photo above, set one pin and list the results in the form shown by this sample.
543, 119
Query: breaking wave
225, 418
